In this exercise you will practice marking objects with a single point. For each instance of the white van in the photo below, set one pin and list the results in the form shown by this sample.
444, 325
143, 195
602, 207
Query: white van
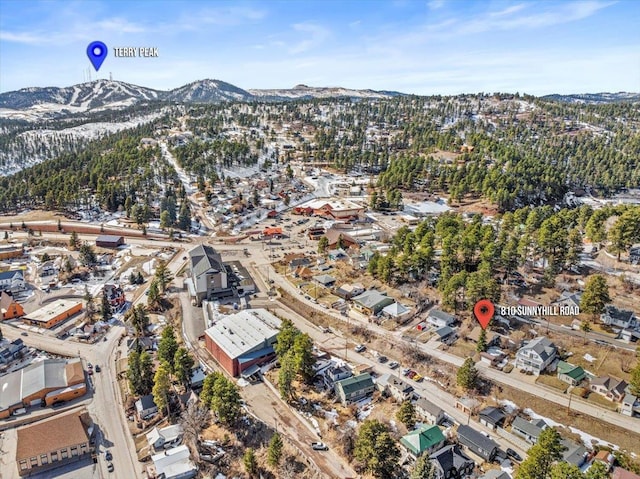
20, 412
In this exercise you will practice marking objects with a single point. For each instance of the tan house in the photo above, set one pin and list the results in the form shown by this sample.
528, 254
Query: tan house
53, 442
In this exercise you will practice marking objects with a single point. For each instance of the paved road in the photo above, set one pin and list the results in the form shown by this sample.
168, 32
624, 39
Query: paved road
105, 408
495, 375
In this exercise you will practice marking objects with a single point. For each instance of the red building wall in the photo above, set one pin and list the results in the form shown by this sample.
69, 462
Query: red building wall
221, 357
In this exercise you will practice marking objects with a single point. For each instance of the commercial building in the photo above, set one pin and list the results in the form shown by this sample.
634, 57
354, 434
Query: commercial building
109, 241
47, 382
54, 442
242, 341
53, 313
339, 210
208, 278
9, 307
11, 251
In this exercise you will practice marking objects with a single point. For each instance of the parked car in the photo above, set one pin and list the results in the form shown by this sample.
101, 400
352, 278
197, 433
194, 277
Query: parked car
411, 374
406, 371
110, 467
359, 348
394, 364
417, 378
24, 333
98, 368
108, 456
514, 455
319, 446
382, 359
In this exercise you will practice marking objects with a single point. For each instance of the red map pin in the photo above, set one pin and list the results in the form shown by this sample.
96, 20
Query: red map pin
483, 311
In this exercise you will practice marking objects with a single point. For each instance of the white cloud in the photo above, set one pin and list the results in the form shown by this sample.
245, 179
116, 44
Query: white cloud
435, 4
315, 35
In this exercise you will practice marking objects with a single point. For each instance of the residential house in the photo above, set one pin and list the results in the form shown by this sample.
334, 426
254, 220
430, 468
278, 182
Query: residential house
574, 453
440, 319
371, 302
9, 307
396, 311
12, 281
303, 272
467, 405
11, 351
568, 299
492, 417
337, 254
491, 338
198, 375
536, 355
165, 438
634, 255
325, 280
446, 334
424, 440
620, 318
144, 343
53, 442
339, 239
605, 457
570, 373
629, 405
430, 412
208, 278
172, 464
146, 407
295, 263
109, 241
336, 373
529, 430
354, 388
451, 463
619, 473
348, 291
397, 388
114, 294
609, 387
477, 443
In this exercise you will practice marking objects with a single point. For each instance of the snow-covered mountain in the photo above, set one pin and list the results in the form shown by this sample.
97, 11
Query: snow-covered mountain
207, 91
304, 92
78, 98
53, 102
594, 98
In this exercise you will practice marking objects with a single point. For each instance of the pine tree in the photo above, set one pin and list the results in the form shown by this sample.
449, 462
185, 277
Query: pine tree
163, 276
274, 454
167, 347
73, 240
467, 377
423, 468
541, 456
105, 308
183, 362
482, 341
161, 386
376, 450
595, 296
249, 461
407, 414
634, 381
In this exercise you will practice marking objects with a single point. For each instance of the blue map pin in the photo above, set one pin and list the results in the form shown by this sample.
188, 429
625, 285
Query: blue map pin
97, 52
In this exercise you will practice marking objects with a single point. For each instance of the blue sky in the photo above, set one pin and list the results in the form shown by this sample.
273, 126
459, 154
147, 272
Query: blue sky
422, 47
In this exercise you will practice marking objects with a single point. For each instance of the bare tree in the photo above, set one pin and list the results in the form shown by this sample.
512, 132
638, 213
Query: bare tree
193, 420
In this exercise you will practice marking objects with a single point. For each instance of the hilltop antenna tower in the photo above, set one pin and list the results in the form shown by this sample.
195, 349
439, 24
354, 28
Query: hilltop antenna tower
110, 76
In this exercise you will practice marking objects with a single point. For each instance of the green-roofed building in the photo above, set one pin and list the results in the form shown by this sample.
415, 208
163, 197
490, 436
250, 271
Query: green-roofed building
354, 388
570, 373
426, 439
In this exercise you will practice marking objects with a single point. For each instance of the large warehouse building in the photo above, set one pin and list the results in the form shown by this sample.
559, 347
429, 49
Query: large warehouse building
53, 313
44, 382
242, 341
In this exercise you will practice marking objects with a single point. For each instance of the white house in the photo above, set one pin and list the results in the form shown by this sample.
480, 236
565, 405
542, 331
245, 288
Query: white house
440, 319
430, 412
165, 438
12, 280
620, 318
172, 464
536, 355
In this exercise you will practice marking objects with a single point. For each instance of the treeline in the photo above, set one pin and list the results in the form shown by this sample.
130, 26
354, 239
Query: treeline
104, 173
468, 258
204, 157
